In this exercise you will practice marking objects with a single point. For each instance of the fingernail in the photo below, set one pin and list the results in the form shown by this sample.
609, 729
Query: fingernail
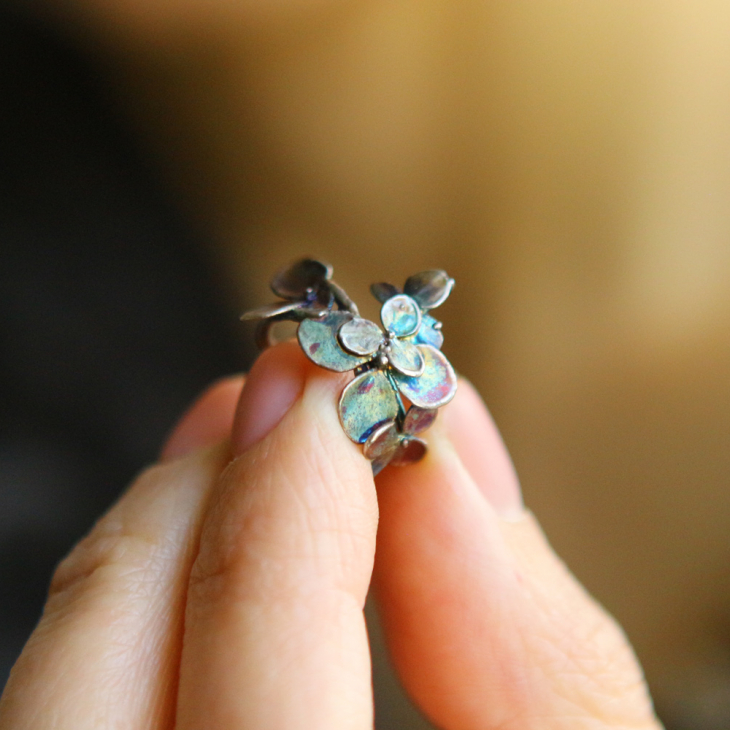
207, 421
478, 443
275, 382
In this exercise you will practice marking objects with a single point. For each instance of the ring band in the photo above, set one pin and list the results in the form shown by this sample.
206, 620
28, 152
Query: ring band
401, 377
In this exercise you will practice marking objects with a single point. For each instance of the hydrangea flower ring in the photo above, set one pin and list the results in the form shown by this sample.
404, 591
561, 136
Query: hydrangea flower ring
401, 377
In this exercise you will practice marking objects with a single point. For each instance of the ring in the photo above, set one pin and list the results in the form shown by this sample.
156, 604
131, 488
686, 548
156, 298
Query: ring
401, 377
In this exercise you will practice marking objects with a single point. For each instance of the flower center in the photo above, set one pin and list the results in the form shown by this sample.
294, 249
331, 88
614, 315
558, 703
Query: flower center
384, 350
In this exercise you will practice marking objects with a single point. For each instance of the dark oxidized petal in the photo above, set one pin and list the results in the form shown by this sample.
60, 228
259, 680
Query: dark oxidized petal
401, 316
294, 281
318, 339
360, 336
278, 309
429, 288
429, 333
322, 297
417, 420
383, 291
410, 450
366, 403
312, 311
405, 358
387, 446
435, 387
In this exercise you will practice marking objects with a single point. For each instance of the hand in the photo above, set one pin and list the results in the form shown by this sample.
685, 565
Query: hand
228, 593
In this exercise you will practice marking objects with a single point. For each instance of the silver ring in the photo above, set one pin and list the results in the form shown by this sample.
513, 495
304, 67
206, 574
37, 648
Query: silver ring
401, 377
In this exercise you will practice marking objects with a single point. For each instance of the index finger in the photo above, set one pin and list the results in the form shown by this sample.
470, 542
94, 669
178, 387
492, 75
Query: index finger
274, 631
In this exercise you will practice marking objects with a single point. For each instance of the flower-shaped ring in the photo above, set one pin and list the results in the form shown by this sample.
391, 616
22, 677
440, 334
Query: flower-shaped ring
400, 361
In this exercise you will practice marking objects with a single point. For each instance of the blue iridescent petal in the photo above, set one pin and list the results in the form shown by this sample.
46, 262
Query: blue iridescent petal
400, 316
428, 333
366, 403
318, 338
436, 387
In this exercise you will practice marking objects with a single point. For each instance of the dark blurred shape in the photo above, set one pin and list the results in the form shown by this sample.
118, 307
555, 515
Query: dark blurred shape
698, 699
109, 321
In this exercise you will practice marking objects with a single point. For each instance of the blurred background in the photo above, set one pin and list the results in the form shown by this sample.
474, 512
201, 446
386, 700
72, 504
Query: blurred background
567, 162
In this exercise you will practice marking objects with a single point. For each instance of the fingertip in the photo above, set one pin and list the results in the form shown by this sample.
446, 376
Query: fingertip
274, 384
474, 435
207, 420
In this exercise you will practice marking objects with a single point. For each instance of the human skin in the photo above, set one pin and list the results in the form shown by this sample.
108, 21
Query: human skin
226, 588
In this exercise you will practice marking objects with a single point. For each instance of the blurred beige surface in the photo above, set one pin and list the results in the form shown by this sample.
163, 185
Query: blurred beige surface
569, 164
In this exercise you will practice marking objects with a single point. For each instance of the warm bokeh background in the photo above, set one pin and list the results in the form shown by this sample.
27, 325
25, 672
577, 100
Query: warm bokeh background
569, 164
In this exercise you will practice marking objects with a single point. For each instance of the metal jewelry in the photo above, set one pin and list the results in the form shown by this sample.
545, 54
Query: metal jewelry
401, 376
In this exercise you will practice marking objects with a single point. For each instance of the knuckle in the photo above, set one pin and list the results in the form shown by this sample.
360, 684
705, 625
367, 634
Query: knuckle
244, 556
288, 530
97, 559
118, 555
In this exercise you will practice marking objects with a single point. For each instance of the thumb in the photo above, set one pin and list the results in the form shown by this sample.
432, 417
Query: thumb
486, 626
274, 629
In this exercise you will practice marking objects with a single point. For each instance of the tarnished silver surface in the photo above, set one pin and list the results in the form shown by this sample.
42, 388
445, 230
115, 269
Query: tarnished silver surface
410, 450
418, 420
301, 279
383, 291
389, 445
318, 339
382, 441
429, 288
402, 359
270, 310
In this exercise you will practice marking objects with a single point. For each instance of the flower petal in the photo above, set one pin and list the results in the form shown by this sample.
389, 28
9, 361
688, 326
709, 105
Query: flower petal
401, 316
360, 336
429, 288
318, 339
298, 279
405, 358
418, 420
429, 333
383, 291
382, 446
366, 403
383, 442
277, 309
387, 445
410, 450
377, 465
436, 387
